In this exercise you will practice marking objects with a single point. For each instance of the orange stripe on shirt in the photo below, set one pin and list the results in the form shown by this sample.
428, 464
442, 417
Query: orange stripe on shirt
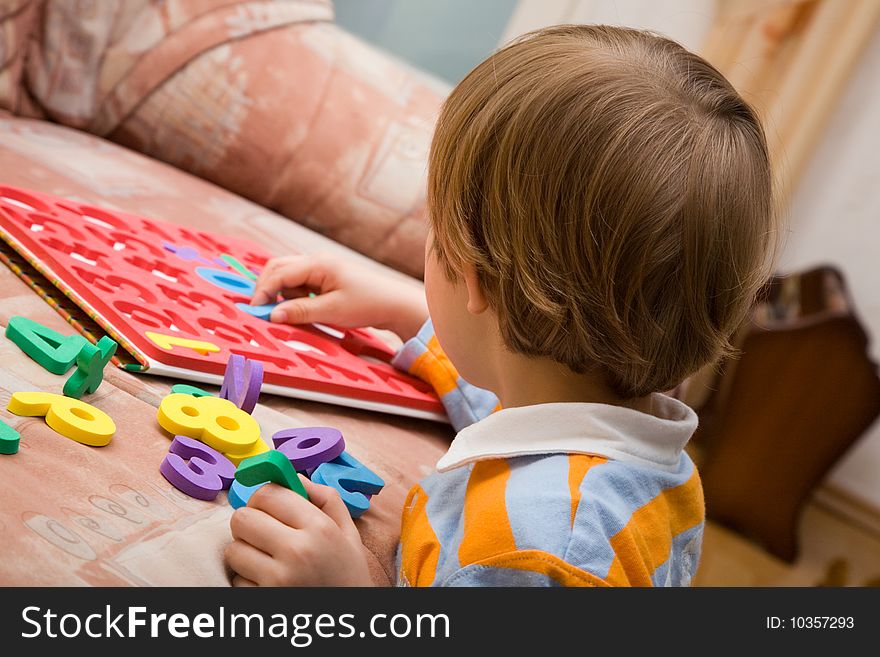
487, 530
578, 465
435, 368
644, 543
420, 549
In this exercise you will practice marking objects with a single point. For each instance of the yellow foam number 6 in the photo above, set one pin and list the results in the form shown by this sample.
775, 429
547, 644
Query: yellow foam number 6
71, 418
216, 422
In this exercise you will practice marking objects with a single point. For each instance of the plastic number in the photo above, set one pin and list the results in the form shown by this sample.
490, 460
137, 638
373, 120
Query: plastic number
196, 469
242, 382
272, 466
227, 281
186, 389
216, 422
90, 364
55, 352
260, 447
9, 439
233, 262
352, 479
168, 342
70, 417
309, 447
239, 494
184, 252
260, 312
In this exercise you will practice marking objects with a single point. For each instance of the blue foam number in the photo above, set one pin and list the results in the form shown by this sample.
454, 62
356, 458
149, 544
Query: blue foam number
352, 479
239, 494
227, 280
263, 312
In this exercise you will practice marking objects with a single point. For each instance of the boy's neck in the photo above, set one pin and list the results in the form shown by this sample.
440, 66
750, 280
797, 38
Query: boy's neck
525, 381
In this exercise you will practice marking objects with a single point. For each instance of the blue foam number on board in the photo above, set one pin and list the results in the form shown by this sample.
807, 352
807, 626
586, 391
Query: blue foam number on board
239, 494
352, 479
227, 280
263, 312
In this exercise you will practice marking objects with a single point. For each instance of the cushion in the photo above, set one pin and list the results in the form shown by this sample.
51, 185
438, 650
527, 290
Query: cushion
267, 99
17, 20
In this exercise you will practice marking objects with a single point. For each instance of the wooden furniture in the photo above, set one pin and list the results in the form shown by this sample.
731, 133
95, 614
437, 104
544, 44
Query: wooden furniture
782, 414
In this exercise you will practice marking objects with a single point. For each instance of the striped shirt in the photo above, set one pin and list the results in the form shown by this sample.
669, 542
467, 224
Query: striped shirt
571, 494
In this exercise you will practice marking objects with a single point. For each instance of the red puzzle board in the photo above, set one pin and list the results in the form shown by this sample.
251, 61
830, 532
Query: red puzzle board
114, 266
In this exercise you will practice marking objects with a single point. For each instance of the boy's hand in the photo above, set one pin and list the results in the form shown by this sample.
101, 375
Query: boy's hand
282, 539
347, 294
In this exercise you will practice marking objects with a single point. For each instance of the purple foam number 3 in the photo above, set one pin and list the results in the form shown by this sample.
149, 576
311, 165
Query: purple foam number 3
196, 469
309, 447
242, 382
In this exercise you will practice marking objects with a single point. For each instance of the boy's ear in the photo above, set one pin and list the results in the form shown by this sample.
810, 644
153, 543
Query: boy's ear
477, 302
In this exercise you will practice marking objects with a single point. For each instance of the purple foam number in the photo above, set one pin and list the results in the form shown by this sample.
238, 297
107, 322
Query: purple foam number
186, 253
242, 382
309, 447
196, 469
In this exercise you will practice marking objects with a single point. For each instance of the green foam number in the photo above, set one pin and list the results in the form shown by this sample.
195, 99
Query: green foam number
90, 364
55, 352
9, 439
187, 389
233, 262
272, 466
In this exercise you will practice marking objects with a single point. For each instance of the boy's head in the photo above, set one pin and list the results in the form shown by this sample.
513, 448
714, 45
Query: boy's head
611, 194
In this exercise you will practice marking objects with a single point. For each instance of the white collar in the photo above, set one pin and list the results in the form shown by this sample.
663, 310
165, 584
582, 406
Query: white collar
654, 439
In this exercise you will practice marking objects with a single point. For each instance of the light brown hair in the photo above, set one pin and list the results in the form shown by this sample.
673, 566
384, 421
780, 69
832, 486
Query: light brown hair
613, 192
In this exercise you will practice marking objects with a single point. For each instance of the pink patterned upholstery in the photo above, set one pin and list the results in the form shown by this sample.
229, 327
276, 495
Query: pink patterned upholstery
336, 137
267, 98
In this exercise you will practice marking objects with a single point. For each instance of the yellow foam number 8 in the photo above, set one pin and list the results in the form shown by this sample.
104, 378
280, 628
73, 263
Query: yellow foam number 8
216, 422
71, 418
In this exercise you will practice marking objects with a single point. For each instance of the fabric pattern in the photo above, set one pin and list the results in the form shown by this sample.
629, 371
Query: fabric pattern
555, 518
266, 98
17, 20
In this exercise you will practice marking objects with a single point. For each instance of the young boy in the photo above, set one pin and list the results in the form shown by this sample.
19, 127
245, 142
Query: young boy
601, 218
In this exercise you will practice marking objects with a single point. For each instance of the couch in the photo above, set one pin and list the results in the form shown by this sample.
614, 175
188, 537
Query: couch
256, 119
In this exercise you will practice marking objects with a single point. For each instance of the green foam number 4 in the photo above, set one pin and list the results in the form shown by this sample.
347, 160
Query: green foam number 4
90, 364
55, 352
8, 439
272, 466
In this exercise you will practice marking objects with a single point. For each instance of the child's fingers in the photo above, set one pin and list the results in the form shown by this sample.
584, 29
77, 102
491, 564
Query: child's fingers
294, 292
327, 499
270, 268
285, 506
260, 530
240, 582
306, 310
249, 562
295, 272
